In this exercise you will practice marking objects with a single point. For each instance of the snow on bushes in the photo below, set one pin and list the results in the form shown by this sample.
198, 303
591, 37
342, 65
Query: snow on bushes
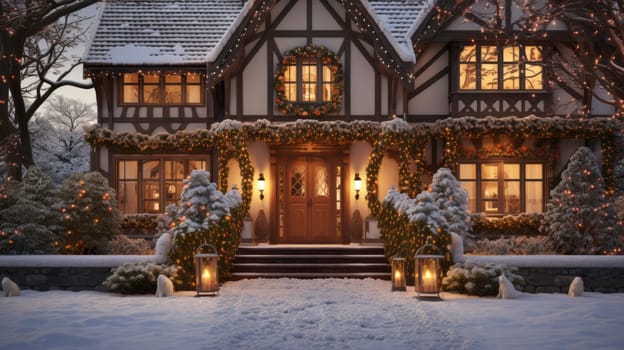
452, 200
406, 223
521, 245
581, 217
137, 278
205, 215
28, 225
482, 280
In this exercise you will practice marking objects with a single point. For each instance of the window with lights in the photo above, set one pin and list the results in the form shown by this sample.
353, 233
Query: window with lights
309, 82
158, 89
503, 187
501, 67
149, 185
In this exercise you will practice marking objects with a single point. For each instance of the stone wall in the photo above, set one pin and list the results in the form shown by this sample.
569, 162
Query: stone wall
53, 278
63, 272
558, 279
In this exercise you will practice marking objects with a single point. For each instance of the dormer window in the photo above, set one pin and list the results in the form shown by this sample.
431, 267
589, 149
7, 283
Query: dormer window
309, 82
503, 68
157, 89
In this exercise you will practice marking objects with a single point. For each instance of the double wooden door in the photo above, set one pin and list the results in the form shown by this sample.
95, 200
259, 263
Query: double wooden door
309, 199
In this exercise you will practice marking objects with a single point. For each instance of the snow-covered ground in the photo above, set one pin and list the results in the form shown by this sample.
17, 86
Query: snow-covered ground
309, 314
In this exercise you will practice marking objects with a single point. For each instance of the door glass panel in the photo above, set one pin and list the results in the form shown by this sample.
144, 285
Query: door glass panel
321, 186
297, 182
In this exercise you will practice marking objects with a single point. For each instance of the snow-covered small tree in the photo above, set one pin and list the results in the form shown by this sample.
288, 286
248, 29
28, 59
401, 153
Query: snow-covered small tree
28, 225
452, 200
205, 215
89, 211
581, 217
407, 223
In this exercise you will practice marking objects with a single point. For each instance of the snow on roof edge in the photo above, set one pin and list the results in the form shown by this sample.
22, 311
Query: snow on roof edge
72, 260
214, 53
406, 53
93, 31
418, 20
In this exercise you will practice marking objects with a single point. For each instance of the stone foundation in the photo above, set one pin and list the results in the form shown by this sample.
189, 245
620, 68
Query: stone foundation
558, 279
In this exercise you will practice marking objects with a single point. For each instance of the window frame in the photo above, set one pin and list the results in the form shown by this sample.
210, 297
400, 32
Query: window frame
498, 206
163, 181
162, 84
522, 63
322, 60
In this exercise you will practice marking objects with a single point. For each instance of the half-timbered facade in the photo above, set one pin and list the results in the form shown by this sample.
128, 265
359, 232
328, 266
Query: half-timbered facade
303, 93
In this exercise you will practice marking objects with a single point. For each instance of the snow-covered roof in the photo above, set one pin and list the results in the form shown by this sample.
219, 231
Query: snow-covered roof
160, 31
399, 18
183, 32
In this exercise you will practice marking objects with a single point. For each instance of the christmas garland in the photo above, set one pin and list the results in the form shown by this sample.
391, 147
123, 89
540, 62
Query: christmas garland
410, 143
307, 109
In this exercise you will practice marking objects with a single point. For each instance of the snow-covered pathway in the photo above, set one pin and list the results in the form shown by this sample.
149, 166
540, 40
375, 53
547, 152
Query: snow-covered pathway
308, 314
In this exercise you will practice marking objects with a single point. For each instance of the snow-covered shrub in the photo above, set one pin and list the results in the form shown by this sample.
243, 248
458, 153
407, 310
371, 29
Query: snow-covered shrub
520, 245
482, 280
90, 213
516, 225
581, 217
123, 245
452, 200
406, 223
27, 223
206, 215
137, 278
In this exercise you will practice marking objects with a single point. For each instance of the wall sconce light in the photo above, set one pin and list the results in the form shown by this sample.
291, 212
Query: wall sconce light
357, 185
206, 273
261, 185
428, 272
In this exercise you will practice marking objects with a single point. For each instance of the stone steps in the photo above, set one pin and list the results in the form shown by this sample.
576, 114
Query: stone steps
303, 261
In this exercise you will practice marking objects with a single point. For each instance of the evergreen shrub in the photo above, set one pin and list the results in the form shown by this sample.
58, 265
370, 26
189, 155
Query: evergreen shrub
482, 280
137, 278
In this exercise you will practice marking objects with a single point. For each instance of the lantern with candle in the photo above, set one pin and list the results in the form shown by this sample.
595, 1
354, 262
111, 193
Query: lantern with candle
206, 273
428, 271
398, 274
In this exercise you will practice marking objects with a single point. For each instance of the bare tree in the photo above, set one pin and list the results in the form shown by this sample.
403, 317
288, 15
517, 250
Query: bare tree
595, 36
34, 38
58, 137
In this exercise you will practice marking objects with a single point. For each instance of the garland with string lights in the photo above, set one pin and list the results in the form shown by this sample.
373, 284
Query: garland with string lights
310, 109
410, 143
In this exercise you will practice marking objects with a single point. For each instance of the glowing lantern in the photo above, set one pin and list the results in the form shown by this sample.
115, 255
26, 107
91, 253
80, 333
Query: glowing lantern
427, 272
398, 274
206, 273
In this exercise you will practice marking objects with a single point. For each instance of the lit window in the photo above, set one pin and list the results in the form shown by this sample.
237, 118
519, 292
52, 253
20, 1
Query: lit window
495, 67
169, 89
309, 82
503, 187
148, 186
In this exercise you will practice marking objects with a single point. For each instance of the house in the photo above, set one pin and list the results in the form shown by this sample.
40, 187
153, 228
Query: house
312, 95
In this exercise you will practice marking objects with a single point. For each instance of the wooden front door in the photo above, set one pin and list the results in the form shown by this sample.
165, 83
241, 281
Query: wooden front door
309, 200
